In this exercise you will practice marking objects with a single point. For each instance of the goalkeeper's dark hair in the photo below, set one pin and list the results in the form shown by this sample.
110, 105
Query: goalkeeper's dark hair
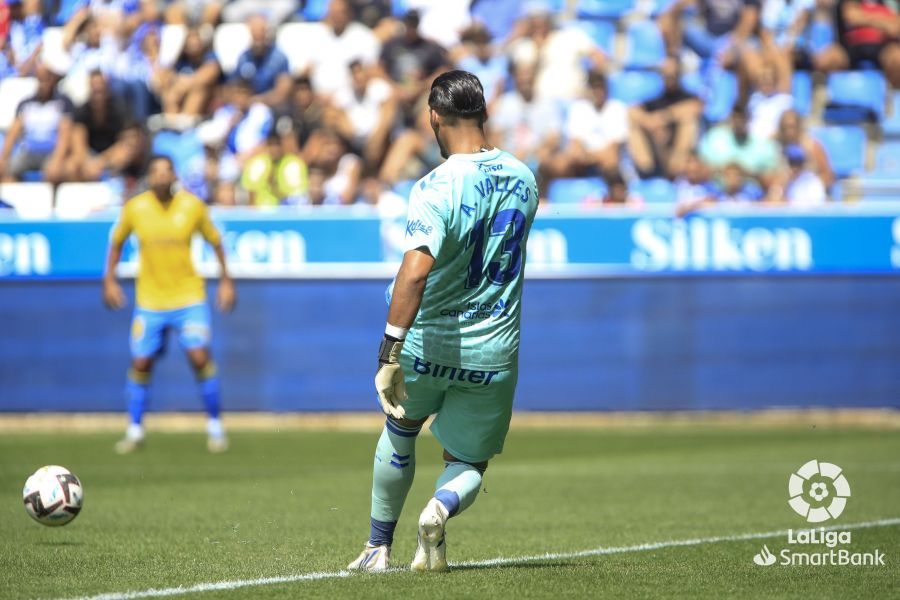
458, 95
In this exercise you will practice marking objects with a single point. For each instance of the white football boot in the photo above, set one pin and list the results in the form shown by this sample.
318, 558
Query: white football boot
217, 444
133, 440
373, 559
431, 553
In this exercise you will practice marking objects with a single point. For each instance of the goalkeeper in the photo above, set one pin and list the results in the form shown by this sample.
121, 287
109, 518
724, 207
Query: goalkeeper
451, 342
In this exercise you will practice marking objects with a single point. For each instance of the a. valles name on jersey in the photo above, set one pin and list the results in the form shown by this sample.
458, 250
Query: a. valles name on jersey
477, 311
823, 547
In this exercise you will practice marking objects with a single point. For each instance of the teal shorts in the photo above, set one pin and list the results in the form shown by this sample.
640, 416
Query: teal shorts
472, 407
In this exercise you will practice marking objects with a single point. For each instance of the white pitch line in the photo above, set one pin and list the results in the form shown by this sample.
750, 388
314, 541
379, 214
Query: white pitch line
493, 562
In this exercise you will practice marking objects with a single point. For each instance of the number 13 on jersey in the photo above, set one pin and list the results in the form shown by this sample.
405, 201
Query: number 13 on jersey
509, 223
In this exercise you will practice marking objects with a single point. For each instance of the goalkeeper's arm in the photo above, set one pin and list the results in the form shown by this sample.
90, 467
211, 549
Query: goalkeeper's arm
405, 301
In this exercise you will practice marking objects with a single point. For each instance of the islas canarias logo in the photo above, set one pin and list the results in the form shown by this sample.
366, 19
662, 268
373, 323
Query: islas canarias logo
818, 491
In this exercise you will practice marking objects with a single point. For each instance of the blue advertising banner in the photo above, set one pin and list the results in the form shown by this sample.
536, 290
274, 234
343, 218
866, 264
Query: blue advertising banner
565, 241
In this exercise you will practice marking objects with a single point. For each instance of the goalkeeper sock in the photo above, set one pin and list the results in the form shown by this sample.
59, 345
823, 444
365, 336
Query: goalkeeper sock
392, 476
208, 381
136, 387
458, 486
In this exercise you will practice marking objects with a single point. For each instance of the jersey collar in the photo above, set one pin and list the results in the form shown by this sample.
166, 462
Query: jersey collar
477, 156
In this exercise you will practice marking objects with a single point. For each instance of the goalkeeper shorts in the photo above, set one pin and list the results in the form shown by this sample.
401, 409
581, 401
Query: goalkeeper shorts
472, 407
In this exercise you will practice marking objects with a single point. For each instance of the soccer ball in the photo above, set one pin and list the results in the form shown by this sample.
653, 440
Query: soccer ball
53, 496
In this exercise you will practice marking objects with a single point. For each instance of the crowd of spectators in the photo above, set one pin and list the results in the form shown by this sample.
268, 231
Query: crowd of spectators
341, 119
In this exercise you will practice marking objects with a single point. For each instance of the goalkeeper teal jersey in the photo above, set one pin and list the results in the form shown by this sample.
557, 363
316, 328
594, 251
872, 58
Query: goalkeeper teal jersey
473, 213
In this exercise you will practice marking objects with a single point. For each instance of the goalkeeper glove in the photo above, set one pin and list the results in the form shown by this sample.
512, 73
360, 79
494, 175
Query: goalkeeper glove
389, 379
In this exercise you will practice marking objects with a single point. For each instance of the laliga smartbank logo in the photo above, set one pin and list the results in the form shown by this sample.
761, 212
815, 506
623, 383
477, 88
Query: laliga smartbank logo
818, 492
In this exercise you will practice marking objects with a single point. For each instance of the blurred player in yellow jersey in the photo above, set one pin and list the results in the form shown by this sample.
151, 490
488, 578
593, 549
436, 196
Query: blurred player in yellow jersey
170, 294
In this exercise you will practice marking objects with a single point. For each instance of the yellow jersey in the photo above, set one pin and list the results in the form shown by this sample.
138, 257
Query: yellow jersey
166, 277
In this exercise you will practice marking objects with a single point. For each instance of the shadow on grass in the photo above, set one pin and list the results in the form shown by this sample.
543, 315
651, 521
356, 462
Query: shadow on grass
522, 565
60, 543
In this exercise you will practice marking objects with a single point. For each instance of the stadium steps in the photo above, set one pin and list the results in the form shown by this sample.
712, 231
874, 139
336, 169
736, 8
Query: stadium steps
32, 200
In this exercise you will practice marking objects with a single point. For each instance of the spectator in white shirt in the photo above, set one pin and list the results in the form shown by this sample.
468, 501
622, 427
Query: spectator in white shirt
340, 42
525, 126
802, 187
557, 54
597, 130
771, 99
366, 111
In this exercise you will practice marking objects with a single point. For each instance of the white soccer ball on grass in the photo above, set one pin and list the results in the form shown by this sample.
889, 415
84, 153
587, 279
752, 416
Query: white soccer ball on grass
53, 496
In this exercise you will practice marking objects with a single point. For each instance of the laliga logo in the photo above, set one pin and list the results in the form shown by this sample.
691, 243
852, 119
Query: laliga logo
818, 491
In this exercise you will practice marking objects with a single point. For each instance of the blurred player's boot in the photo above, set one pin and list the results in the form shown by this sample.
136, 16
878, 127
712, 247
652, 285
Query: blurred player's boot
216, 442
133, 440
373, 558
431, 553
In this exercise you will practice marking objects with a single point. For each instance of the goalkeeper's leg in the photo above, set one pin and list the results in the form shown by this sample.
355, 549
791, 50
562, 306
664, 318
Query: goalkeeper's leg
457, 488
392, 477
471, 426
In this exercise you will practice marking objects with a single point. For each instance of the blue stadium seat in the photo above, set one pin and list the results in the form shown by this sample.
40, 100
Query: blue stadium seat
399, 7
855, 96
887, 159
845, 145
67, 8
802, 89
878, 187
403, 188
717, 88
314, 10
821, 34
644, 46
654, 191
602, 32
604, 9
182, 148
890, 126
632, 87
32, 177
576, 190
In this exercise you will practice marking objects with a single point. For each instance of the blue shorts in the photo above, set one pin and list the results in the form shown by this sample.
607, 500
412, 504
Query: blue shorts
149, 329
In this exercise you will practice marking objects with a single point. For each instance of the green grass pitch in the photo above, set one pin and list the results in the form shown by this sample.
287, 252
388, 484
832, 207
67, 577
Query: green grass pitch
291, 503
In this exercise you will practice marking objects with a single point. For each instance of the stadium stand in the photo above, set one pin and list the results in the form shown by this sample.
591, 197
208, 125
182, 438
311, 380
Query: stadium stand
142, 57
645, 47
577, 189
845, 145
855, 97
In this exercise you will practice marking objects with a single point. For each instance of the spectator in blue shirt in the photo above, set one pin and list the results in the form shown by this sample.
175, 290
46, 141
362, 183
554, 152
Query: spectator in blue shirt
735, 187
264, 65
43, 124
726, 32
140, 73
489, 66
694, 189
189, 83
26, 32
